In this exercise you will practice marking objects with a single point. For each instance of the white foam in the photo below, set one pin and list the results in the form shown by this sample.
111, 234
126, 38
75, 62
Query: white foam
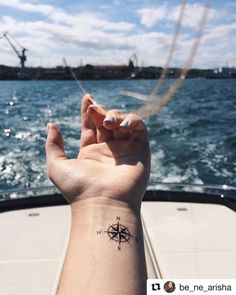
172, 173
22, 135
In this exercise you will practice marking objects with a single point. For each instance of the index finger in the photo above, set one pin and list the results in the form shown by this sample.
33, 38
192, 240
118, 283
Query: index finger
88, 128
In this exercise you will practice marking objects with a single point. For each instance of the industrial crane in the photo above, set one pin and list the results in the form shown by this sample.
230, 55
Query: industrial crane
20, 53
133, 61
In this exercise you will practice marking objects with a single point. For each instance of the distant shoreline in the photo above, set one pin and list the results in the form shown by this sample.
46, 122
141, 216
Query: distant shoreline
108, 72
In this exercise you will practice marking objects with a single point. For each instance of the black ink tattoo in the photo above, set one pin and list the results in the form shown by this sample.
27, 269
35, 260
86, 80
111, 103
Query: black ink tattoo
118, 233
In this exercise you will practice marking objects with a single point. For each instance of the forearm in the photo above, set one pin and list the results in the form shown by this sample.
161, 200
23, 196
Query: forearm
105, 253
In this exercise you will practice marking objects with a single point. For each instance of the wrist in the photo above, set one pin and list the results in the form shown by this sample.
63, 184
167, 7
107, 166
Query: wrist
104, 220
102, 204
105, 233
102, 209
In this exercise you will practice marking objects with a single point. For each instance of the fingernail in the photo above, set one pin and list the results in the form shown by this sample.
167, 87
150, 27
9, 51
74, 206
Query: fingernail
109, 118
48, 126
124, 123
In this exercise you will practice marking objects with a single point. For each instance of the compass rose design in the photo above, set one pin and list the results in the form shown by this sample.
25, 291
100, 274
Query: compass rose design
119, 233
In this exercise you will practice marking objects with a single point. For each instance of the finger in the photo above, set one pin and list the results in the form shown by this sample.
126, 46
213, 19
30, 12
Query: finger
134, 125
54, 145
112, 121
98, 113
88, 131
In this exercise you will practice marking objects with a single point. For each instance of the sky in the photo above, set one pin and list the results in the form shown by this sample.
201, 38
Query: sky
109, 32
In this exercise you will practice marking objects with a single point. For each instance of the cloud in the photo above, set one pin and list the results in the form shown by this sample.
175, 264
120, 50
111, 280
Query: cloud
25, 6
149, 17
90, 20
97, 39
43, 39
62, 32
161, 14
60, 16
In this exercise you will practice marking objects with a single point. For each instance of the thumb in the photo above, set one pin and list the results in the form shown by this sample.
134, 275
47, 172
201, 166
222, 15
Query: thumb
54, 144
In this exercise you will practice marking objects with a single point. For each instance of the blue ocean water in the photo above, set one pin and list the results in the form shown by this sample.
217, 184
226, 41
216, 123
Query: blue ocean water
193, 138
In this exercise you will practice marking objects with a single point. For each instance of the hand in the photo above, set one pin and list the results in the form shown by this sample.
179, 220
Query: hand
113, 161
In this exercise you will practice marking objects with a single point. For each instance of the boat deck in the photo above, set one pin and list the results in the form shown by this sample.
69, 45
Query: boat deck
182, 240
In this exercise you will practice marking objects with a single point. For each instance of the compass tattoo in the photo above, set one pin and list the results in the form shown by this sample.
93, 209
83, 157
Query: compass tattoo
118, 233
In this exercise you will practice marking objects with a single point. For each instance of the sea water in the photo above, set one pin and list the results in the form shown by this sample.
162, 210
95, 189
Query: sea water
193, 138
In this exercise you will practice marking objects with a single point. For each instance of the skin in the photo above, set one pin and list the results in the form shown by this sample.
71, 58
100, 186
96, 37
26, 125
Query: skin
108, 179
